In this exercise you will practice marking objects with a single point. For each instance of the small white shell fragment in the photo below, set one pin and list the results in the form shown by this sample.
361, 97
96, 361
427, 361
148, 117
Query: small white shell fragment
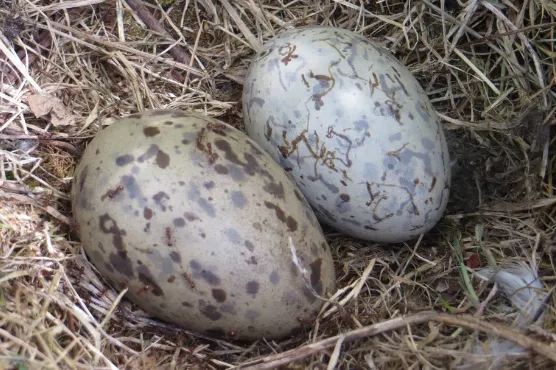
355, 130
196, 220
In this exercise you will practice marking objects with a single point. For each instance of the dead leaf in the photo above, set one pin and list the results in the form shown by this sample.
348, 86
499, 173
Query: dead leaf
42, 105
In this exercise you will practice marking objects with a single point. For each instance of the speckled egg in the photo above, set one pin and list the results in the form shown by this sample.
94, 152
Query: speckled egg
354, 129
196, 220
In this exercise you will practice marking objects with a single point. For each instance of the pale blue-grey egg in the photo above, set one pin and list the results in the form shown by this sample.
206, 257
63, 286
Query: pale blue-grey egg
354, 129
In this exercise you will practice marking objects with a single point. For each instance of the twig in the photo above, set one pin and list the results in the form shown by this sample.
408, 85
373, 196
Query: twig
527, 44
45, 41
509, 33
466, 321
80, 37
62, 145
177, 51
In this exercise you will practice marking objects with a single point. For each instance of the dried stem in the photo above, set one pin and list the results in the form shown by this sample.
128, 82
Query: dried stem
465, 321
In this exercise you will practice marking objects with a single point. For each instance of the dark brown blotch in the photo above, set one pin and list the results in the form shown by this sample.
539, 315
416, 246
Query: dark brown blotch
221, 170
249, 245
229, 154
146, 278
279, 212
345, 197
117, 239
151, 131
171, 279
291, 223
252, 167
219, 295
162, 159
211, 312
316, 282
207, 276
252, 287
147, 213
275, 189
121, 262
83, 177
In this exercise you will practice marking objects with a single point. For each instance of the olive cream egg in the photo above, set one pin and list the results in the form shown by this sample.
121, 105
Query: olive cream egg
205, 229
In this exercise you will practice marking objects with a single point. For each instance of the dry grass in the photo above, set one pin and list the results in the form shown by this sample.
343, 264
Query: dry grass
489, 68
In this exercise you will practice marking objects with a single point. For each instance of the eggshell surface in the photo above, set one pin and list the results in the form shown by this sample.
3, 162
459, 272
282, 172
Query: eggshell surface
355, 130
195, 219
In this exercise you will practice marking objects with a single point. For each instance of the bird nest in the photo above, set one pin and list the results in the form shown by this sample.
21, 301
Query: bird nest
68, 68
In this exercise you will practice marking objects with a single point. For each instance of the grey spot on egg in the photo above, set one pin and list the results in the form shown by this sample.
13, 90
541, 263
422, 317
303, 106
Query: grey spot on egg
207, 207
236, 173
175, 256
228, 308
124, 160
331, 187
233, 236
252, 315
238, 199
428, 144
274, 277
395, 137
179, 222
160, 199
131, 187
256, 101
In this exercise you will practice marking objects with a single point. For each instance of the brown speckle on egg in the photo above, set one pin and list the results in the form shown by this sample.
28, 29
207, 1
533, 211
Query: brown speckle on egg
151, 131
